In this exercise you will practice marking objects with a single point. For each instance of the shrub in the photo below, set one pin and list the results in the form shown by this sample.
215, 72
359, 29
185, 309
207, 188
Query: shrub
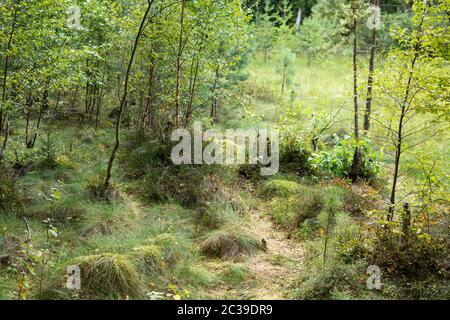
429, 289
148, 152
294, 155
10, 200
48, 151
338, 161
160, 180
261, 90
331, 281
108, 276
415, 256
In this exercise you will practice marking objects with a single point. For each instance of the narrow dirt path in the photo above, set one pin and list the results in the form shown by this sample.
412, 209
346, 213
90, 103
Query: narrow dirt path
277, 268
271, 273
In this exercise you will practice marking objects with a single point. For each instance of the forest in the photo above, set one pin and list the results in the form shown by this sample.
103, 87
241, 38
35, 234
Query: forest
224, 149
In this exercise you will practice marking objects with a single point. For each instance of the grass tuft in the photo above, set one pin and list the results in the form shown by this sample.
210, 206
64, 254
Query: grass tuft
108, 276
229, 243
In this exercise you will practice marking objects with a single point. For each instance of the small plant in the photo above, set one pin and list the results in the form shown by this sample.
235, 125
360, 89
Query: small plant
48, 151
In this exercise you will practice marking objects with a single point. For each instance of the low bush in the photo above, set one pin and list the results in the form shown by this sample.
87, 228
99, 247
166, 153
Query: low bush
10, 199
334, 281
294, 155
338, 161
416, 256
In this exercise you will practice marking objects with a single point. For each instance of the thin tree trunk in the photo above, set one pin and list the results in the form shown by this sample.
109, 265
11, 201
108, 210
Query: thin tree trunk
29, 106
100, 92
124, 97
214, 98
298, 21
32, 142
178, 66
148, 113
58, 98
398, 147
357, 156
5, 141
192, 91
355, 76
369, 98
87, 94
75, 94
3, 118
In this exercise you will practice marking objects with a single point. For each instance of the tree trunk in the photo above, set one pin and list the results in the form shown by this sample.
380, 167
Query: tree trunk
357, 156
194, 71
123, 100
299, 19
214, 98
5, 141
178, 66
147, 119
398, 147
3, 117
355, 77
370, 79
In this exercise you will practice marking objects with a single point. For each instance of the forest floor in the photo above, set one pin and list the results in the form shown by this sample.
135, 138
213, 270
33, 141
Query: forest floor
271, 273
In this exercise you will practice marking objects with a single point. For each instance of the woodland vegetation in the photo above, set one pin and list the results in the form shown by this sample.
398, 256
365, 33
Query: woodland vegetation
357, 90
